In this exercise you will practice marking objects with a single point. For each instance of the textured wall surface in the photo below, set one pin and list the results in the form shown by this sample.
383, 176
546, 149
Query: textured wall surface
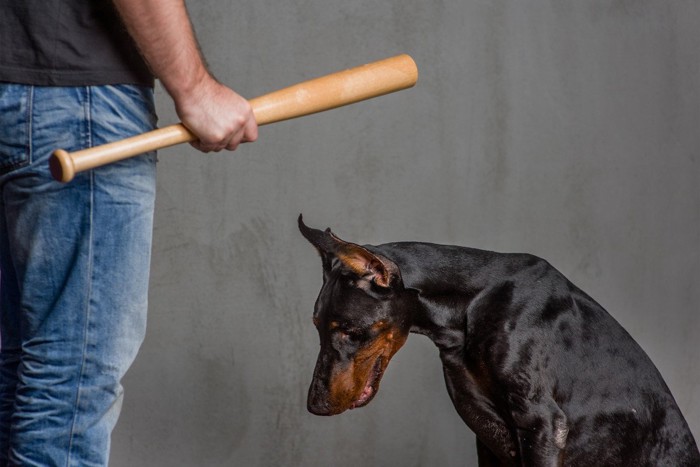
570, 130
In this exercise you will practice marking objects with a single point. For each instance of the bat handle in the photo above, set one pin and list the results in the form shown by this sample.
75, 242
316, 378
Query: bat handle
64, 165
316, 95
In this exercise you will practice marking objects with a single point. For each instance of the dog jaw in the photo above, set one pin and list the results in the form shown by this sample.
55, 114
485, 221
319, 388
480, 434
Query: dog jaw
371, 386
359, 384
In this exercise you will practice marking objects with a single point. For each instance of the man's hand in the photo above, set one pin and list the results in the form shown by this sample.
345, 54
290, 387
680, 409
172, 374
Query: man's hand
219, 117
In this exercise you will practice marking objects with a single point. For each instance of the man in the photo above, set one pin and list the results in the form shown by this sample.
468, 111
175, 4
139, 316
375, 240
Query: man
74, 258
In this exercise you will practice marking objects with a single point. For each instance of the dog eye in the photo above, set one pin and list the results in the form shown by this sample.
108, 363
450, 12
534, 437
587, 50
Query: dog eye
354, 333
346, 330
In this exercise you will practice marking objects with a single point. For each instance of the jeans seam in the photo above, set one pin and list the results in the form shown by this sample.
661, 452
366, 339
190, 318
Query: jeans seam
30, 120
89, 275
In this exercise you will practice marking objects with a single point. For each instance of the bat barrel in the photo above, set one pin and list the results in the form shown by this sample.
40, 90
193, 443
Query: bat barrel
336, 90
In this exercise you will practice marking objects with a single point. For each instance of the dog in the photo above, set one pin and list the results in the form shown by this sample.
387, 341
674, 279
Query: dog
538, 370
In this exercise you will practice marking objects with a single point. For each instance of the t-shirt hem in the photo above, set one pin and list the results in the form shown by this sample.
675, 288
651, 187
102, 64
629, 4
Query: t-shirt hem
73, 78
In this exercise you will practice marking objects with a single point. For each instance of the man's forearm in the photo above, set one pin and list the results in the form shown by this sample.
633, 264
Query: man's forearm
163, 33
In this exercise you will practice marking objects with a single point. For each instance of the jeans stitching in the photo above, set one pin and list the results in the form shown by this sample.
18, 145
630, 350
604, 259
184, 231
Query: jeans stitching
29, 119
21, 161
87, 107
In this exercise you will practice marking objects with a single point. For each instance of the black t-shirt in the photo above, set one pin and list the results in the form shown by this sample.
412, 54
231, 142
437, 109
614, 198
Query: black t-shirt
67, 43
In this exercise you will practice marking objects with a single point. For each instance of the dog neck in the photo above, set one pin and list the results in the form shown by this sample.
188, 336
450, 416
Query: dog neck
441, 283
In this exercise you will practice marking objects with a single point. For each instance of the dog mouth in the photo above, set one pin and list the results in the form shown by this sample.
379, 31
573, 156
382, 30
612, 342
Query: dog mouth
371, 385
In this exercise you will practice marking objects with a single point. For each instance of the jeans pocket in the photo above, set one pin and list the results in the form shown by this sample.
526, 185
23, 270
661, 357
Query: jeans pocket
15, 103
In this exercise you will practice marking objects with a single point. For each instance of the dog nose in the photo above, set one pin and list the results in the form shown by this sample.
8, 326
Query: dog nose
319, 410
318, 399
318, 406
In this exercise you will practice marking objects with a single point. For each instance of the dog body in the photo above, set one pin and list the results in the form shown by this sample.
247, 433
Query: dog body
541, 373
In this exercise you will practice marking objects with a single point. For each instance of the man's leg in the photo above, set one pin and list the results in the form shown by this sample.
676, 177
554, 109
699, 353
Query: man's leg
81, 255
14, 154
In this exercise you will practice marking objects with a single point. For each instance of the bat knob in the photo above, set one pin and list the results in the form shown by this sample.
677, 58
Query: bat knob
62, 166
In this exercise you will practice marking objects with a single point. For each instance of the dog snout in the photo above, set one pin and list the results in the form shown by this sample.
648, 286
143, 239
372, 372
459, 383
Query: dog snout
318, 401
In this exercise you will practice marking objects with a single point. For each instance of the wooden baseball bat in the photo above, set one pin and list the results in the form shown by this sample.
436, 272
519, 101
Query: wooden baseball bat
316, 95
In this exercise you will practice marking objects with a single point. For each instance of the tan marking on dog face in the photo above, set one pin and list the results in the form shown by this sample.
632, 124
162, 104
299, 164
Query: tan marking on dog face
347, 385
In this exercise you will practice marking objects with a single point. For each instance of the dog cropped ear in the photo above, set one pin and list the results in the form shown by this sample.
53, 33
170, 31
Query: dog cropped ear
324, 243
367, 265
356, 258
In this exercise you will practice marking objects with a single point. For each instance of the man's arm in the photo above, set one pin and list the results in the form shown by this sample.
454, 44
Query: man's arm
219, 117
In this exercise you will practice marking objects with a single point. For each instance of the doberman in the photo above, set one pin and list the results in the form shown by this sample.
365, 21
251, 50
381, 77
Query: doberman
541, 373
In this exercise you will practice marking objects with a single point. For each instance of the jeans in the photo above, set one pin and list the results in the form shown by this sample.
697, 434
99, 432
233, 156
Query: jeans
74, 265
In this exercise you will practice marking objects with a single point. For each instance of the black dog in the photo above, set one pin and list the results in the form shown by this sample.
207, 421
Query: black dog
535, 367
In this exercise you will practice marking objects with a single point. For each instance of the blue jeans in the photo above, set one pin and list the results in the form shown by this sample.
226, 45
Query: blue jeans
74, 264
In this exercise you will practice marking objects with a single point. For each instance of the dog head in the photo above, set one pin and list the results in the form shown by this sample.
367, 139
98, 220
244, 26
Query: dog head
360, 322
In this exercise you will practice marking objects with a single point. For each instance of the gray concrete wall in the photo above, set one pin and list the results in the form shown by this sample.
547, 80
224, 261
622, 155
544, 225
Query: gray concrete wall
570, 130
